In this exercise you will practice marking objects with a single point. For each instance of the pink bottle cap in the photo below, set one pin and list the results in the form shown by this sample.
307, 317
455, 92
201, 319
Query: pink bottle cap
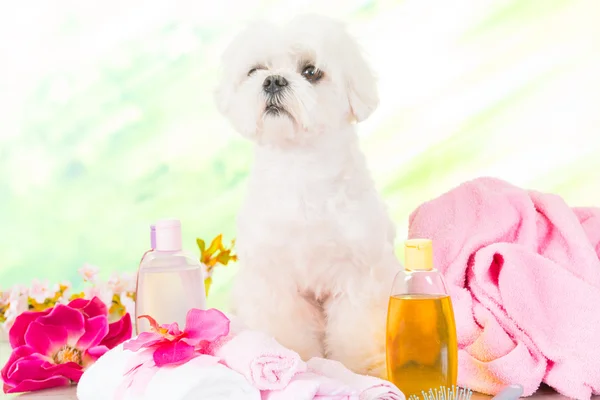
168, 235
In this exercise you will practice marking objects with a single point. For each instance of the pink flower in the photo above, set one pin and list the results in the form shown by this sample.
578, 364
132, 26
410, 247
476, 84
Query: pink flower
167, 345
171, 346
88, 272
53, 347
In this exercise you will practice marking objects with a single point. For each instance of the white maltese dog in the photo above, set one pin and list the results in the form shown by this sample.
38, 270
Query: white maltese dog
314, 238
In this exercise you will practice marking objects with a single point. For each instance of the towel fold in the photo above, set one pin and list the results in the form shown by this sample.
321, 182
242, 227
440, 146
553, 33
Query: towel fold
309, 386
261, 359
200, 378
368, 387
523, 271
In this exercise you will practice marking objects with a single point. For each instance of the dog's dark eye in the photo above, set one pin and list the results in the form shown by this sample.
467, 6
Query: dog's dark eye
312, 73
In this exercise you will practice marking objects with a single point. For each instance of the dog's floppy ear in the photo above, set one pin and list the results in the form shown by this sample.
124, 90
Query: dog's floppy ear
361, 86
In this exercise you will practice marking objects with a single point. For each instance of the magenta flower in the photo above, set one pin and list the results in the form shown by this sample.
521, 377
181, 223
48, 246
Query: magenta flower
171, 346
53, 347
167, 345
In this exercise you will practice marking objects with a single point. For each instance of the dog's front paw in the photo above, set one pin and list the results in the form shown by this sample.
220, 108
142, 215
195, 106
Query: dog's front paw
372, 366
377, 369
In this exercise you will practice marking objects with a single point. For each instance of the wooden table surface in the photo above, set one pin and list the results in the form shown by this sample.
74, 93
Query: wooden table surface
69, 393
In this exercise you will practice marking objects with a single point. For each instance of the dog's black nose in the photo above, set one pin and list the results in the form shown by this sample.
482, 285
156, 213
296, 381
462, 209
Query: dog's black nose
274, 84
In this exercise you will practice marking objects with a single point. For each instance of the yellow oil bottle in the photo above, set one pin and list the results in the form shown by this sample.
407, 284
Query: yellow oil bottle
421, 345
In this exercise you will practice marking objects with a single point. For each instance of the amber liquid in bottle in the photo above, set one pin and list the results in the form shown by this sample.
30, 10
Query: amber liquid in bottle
422, 348
421, 343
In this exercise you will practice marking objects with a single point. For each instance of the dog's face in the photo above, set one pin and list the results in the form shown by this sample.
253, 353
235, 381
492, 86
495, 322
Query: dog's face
285, 85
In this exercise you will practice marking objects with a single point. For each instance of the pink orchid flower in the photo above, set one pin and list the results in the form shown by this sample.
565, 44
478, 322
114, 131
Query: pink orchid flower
171, 346
167, 345
53, 347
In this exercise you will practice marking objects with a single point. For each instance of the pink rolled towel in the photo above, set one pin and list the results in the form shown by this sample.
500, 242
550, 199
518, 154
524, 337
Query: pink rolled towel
309, 386
261, 359
368, 387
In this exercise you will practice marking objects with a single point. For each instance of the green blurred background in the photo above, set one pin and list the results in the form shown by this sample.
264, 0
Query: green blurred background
107, 120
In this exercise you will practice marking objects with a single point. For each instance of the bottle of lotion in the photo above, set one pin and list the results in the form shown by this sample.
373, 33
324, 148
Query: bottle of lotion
170, 281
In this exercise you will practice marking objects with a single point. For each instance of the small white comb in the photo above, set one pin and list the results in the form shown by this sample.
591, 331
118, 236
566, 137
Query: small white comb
511, 392
444, 393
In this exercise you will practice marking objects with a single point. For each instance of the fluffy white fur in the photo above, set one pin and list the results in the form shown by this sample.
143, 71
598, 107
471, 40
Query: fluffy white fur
314, 238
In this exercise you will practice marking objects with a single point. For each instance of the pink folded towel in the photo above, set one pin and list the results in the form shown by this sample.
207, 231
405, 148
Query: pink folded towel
368, 387
523, 271
309, 386
261, 359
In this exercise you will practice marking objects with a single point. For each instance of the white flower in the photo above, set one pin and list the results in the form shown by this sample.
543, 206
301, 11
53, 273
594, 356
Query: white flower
11, 314
124, 282
9, 318
39, 291
129, 305
100, 290
131, 281
17, 293
4, 297
88, 272
18, 305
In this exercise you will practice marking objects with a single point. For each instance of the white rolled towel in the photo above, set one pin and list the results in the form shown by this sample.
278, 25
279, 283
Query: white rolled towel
190, 381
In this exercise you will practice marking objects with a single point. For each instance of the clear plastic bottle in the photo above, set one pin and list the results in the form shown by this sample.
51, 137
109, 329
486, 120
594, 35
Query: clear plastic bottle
148, 254
421, 345
152, 245
170, 281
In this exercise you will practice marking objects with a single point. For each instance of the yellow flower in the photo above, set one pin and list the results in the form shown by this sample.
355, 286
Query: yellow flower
216, 253
49, 302
117, 309
79, 295
2, 312
35, 306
